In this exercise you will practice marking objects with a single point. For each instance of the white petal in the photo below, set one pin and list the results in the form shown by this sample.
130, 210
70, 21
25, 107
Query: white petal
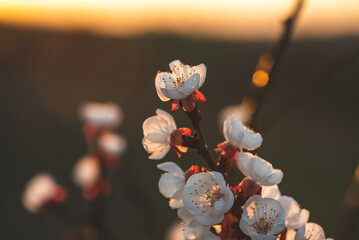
208, 235
258, 169
294, 216
202, 71
310, 231
274, 178
193, 230
170, 167
112, 143
167, 118
170, 183
289, 204
176, 203
185, 215
191, 198
233, 130
251, 140
37, 191
160, 154
271, 192
176, 200
242, 161
219, 178
209, 218
177, 67
229, 198
86, 171
160, 80
173, 93
101, 114
298, 220
157, 137
191, 85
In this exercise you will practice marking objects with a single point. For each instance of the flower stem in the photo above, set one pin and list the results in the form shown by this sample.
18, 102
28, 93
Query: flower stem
201, 148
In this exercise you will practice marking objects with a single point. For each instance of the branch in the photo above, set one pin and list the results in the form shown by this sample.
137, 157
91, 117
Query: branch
276, 55
201, 147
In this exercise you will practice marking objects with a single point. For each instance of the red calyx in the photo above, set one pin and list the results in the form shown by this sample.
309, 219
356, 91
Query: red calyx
59, 194
188, 103
228, 150
192, 170
176, 140
250, 187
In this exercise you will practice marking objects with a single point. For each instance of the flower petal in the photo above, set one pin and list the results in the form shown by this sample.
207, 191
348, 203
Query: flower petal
170, 183
185, 215
191, 85
170, 167
251, 140
233, 130
173, 93
271, 192
202, 71
193, 230
160, 80
166, 118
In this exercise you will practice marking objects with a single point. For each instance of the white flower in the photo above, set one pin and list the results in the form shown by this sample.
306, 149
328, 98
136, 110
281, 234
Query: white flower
190, 232
207, 197
271, 192
262, 218
172, 183
112, 143
86, 171
101, 114
240, 136
258, 169
310, 231
193, 229
38, 191
182, 82
295, 217
157, 131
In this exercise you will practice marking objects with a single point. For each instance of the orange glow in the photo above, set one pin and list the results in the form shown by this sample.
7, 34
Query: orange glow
220, 19
260, 78
357, 173
266, 62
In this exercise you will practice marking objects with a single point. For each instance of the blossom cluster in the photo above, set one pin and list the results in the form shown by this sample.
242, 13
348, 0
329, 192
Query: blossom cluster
105, 147
209, 208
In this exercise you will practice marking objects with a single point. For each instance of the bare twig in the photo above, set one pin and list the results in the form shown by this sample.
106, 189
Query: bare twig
195, 117
275, 55
306, 86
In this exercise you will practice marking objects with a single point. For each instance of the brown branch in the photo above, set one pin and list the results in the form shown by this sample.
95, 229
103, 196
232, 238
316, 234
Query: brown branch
201, 147
276, 55
314, 80
99, 211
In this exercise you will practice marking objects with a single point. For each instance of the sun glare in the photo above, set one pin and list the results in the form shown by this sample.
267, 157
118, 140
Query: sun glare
221, 19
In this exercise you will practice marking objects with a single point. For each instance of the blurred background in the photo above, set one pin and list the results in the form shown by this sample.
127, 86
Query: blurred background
56, 55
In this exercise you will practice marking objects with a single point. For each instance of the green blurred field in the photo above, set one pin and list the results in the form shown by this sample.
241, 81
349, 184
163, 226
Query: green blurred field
46, 75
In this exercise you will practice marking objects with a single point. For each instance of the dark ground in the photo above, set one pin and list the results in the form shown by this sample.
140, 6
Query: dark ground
46, 75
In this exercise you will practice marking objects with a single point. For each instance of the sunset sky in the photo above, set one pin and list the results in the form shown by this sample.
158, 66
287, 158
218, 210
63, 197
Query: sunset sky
228, 19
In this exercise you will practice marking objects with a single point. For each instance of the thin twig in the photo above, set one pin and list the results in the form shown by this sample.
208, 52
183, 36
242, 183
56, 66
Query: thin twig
276, 55
306, 86
195, 117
